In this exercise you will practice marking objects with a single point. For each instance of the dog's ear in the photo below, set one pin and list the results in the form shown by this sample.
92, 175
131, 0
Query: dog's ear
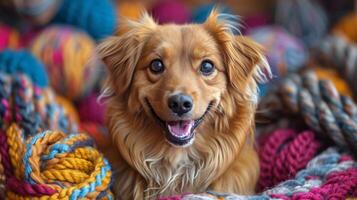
121, 53
244, 58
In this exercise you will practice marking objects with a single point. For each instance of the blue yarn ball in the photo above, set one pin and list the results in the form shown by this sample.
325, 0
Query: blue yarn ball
200, 14
97, 17
22, 61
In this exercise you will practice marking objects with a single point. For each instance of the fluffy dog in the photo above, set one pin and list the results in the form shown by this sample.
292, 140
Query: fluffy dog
181, 104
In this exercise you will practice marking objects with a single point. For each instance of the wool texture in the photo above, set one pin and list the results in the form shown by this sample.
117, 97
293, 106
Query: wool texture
68, 55
337, 53
38, 163
318, 104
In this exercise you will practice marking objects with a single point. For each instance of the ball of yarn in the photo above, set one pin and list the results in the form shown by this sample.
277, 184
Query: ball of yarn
285, 53
97, 17
54, 165
22, 61
171, 11
303, 18
90, 110
347, 27
9, 38
200, 14
130, 10
66, 53
68, 108
37, 11
330, 74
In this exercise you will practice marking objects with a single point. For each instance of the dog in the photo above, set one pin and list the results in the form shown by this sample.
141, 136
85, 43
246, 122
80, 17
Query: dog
181, 101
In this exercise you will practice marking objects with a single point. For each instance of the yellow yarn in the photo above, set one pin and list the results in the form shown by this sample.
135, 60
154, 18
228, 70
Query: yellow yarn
74, 169
347, 27
330, 74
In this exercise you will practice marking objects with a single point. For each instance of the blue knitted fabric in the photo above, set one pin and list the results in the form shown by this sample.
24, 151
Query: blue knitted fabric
97, 17
22, 61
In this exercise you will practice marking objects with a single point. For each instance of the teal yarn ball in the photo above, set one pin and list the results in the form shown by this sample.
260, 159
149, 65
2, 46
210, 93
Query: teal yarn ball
22, 61
97, 17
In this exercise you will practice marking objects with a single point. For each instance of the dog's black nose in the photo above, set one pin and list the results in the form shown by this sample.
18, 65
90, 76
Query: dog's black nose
180, 103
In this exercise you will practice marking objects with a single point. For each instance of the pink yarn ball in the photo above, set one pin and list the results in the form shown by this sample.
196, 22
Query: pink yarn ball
90, 110
171, 11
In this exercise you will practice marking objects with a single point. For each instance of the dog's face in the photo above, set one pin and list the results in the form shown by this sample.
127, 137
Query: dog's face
179, 74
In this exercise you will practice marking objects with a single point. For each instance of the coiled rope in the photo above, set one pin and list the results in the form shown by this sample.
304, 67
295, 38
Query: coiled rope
320, 106
336, 52
41, 164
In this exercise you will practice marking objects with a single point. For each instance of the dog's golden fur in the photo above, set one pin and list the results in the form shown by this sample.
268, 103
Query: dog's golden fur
222, 156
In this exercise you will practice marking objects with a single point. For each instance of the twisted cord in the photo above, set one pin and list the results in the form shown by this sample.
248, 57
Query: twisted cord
320, 106
336, 52
49, 164
52, 181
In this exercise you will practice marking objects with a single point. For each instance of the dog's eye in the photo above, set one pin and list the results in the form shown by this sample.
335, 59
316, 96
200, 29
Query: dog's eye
207, 67
157, 66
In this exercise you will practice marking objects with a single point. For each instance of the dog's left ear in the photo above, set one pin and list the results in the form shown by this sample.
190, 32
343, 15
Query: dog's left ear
244, 58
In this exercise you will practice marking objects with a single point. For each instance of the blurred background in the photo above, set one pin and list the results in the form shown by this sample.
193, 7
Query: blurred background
53, 41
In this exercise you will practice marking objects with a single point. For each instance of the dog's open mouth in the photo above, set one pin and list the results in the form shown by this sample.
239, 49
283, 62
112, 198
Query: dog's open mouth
180, 132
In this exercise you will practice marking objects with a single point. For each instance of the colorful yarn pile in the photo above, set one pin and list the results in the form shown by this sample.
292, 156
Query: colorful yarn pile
303, 18
320, 106
41, 164
339, 54
97, 17
22, 61
330, 175
9, 38
66, 53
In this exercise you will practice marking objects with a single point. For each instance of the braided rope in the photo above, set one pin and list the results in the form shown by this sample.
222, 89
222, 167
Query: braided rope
53, 182
319, 104
49, 164
330, 175
338, 53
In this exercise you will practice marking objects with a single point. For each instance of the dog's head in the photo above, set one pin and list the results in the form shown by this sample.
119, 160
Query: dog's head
179, 74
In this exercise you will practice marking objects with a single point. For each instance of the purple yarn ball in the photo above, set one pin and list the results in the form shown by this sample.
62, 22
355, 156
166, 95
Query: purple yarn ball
171, 11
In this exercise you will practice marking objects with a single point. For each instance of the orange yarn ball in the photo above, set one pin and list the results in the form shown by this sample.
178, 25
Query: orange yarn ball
330, 74
347, 27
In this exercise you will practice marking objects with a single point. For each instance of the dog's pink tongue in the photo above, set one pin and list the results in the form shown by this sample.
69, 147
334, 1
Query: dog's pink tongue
180, 128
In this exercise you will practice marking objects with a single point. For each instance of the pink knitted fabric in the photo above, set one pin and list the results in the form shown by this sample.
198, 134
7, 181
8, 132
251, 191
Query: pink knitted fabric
283, 154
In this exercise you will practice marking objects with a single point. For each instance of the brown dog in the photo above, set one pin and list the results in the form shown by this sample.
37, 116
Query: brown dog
181, 108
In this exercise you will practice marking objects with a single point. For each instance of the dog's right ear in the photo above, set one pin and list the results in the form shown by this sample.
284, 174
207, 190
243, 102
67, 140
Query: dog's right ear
121, 53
